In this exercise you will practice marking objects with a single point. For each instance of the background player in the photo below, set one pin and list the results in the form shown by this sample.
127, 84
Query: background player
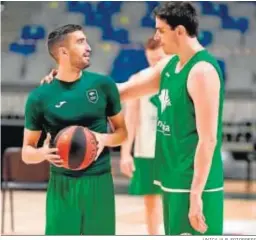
189, 127
141, 115
78, 202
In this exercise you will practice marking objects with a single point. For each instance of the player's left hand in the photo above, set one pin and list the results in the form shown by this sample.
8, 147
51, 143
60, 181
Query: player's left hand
48, 78
127, 165
100, 143
196, 217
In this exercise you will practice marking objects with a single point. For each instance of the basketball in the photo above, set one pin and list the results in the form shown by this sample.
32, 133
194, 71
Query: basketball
77, 147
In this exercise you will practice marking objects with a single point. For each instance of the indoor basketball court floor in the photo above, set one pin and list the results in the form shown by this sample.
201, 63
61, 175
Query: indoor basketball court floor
240, 213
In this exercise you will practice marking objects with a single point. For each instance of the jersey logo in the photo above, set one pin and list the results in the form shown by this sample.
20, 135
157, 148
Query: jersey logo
164, 99
92, 95
60, 104
163, 128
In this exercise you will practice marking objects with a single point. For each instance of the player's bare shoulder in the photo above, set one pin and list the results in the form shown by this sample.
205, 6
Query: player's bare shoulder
203, 74
202, 67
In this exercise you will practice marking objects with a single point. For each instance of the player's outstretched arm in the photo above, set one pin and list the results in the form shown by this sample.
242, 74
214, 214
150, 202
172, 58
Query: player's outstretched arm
203, 87
141, 85
33, 155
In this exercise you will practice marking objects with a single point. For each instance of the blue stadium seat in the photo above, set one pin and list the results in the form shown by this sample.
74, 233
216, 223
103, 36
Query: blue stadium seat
241, 24
118, 35
214, 9
22, 48
148, 21
98, 20
208, 8
223, 10
109, 7
79, 6
205, 38
33, 32
128, 62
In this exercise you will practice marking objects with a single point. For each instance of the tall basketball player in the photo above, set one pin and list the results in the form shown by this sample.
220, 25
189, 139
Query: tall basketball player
190, 85
78, 202
189, 126
141, 115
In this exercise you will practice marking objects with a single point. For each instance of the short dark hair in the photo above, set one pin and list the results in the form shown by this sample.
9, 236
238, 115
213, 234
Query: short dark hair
179, 13
152, 44
59, 34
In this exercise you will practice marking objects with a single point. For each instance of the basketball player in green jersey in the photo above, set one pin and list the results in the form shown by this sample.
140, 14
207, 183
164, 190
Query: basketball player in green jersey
78, 202
188, 143
141, 117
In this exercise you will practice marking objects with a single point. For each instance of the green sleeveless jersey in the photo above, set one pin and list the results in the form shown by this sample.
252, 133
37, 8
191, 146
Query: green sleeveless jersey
87, 102
177, 136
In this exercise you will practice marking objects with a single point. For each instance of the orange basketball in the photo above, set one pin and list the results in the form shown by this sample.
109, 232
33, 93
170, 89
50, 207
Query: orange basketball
77, 147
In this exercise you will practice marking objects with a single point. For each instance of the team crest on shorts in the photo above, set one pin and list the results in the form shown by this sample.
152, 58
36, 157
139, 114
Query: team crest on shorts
92, 95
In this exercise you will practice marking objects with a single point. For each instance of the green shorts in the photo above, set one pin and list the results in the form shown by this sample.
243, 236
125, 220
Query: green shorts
176, 209
80, 206
142, 180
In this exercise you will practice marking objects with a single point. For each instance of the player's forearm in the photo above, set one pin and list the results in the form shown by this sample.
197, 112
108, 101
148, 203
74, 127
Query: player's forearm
131, 122
203, 160
31, 155
116, 138
126, 147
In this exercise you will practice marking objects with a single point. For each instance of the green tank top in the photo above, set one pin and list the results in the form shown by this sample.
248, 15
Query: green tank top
177, 136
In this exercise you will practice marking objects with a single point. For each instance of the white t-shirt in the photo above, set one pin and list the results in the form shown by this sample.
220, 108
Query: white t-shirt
145, 137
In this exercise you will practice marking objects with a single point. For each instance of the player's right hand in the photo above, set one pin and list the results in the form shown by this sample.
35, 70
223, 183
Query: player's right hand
100, 138
127, 165
48, 78
50, 154
196, 216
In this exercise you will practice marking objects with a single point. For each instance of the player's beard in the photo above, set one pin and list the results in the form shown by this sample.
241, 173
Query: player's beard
81, 63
